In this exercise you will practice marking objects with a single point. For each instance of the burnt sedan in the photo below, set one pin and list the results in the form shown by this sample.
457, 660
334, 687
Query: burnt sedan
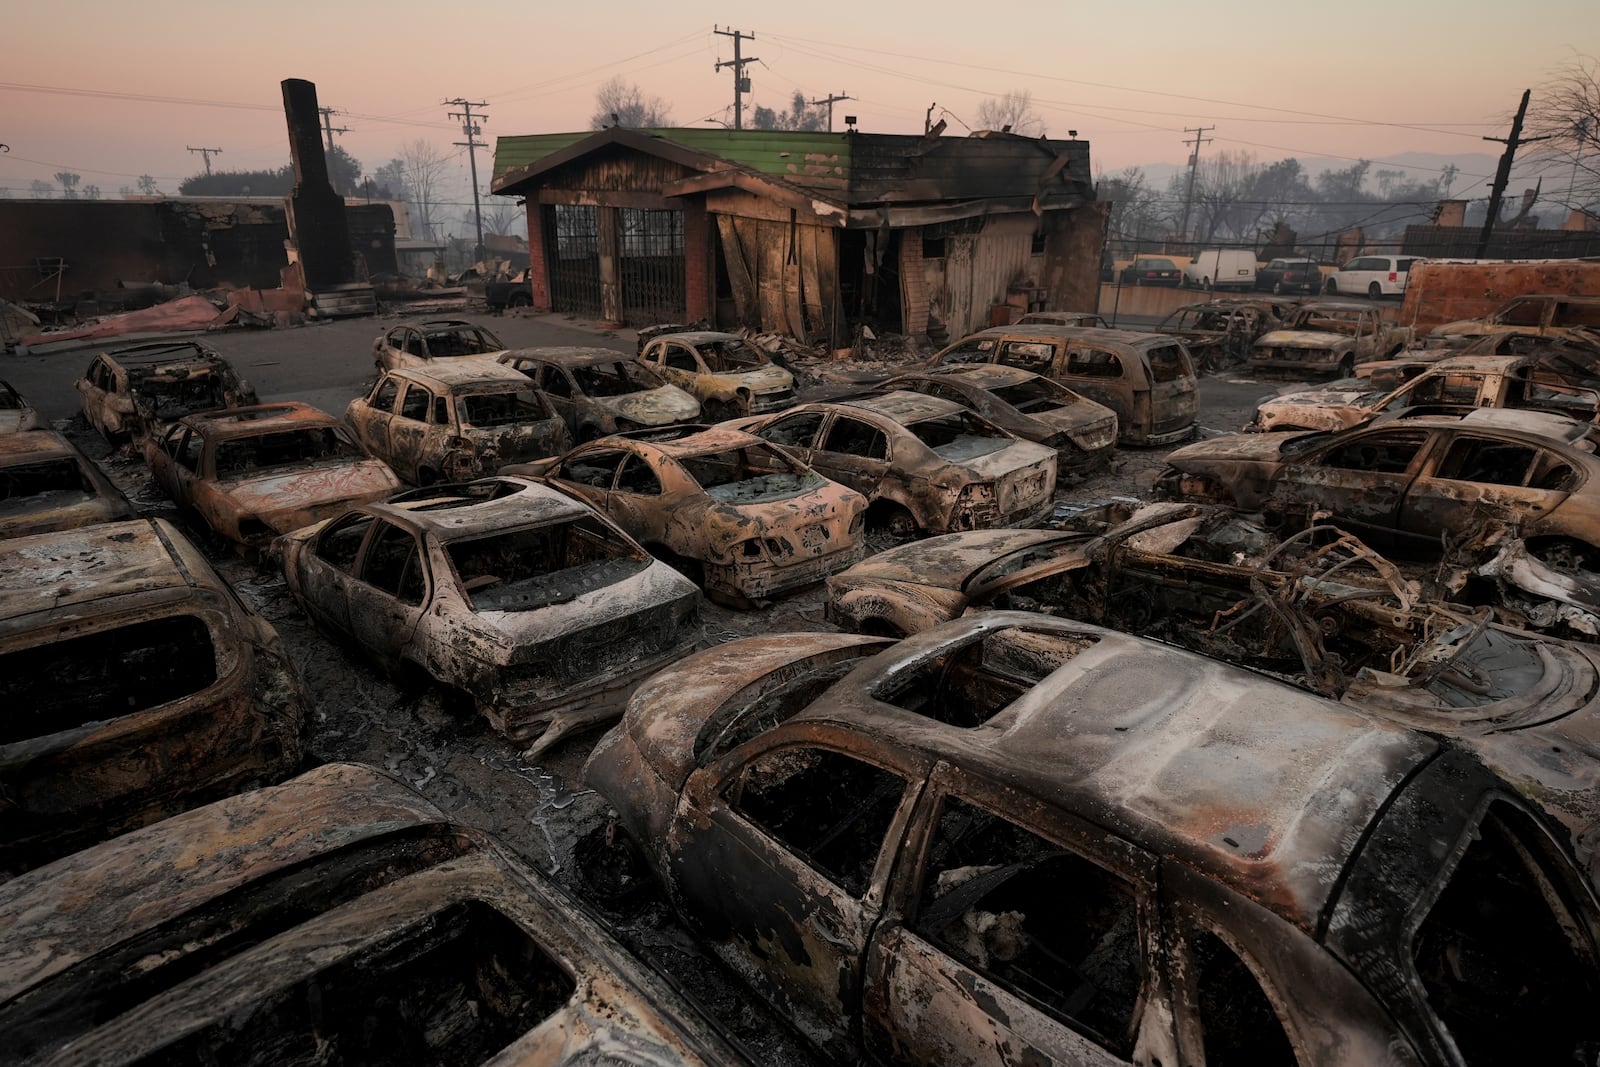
727, 374
418, 344
136, 390
133, 683
335, 919
1033, 407
1017, 832
541, 611
253, 473
16, 413
455, 421
926, 464
1410, 483
599, 392
47, 484
742, 518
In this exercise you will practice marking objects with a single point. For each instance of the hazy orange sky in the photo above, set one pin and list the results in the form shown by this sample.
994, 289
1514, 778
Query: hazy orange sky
129, 87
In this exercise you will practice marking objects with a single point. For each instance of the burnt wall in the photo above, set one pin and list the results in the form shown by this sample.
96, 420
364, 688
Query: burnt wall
102, 241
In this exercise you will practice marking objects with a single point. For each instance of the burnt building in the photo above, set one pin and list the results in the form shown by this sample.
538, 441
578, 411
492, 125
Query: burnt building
807, 233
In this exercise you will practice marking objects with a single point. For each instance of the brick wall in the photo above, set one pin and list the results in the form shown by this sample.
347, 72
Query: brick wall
914, 298
698, 279
538, 259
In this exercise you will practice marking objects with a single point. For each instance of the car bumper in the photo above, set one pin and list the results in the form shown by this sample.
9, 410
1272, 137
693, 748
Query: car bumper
756, 581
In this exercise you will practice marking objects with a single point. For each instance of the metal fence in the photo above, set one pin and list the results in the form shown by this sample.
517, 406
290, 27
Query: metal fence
575, 263
652, 266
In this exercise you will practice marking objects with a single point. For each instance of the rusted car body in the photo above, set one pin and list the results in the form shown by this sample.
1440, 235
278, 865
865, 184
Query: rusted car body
1219, 335
1409, 484
16, 413
134, 685
1327, 337
1062, 318
726, 373
253, 473
539, 609
454, 421
1561, 356
337, 918
745, 520
1033, 407
1528, 314
128, 393
924, 463
420, 343
47, 484
1451, 386
1148, 379
599, 392
1014, 831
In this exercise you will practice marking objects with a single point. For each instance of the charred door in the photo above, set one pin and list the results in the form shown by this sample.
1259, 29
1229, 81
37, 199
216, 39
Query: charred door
651, 262
575, 259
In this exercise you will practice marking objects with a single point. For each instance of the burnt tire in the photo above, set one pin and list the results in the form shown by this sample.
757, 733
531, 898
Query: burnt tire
520, 300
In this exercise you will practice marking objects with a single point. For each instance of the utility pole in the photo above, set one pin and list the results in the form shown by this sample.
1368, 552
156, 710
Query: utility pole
327, 124
1502, 173
741, 84
830, 99
1194, 165
471, 144
207, 153
927, 120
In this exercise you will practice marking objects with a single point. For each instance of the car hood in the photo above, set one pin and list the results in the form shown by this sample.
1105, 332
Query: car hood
652, 407
286, 499
1257, 447
1336, 396
1302, 339
950, 560
759, 380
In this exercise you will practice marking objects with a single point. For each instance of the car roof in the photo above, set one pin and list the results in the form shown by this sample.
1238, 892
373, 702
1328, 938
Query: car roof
451, 512
700, 443
258, 419
160, 353
901, 406
699, 337
1264, 786
34, 446
567, 355
71, 568
467, 371
1097, 334
977, 375
442, 324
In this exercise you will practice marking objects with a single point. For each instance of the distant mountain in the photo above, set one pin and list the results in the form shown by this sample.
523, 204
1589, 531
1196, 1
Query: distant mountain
1475, 170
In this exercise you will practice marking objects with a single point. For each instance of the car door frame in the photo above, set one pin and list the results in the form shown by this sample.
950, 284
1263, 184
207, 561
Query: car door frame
372, 607
1493, 500
857, 476
1377, 534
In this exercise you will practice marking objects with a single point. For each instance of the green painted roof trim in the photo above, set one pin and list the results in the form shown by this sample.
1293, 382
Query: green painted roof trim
806, 157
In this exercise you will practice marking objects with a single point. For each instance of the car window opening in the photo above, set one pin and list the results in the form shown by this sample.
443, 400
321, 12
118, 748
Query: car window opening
1240, 1026
968, 685
500, 409
746, 475
1502, 956
104, 675
614, 379
28, 482
767, 707
525, 570
461, 343
959, 437
170, 400
283, 449
1043, 922
446, 497
453, 989
732, 355
1168, 363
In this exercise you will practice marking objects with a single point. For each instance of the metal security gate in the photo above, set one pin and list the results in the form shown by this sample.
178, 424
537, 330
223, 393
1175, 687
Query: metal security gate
651, 266
575, 264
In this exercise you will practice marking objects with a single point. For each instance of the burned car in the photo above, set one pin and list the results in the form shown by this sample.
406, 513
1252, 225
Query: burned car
338, 918
1219, 335
47, 484
726, 373
741, 518
253, 473
599, 392
1328, 338
1453, 386
1014, 831
1062, 318
926, 464
418, 344
1148, 379
1541, 313
135, 685
1033, 407
1410, 484
454, 421
16, 413
130, 392
540, 610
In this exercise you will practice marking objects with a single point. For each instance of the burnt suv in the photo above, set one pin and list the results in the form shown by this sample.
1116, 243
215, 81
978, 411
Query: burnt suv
133, 391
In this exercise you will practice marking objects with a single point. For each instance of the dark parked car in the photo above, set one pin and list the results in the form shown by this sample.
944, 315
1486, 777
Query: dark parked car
338, 918
1151, 270
1014, 832
1290, 276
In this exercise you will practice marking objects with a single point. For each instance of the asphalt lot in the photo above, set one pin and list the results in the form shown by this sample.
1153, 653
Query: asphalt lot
541, 810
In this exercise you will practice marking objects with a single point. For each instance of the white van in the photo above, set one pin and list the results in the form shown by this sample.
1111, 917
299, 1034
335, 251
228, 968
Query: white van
1231, 268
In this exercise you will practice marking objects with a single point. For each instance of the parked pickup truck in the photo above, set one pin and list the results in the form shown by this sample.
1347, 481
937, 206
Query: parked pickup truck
1328, 338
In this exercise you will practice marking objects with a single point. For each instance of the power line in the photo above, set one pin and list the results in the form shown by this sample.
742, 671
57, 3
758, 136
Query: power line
472, 144
327, 114
207, 153
830, 100
741, 84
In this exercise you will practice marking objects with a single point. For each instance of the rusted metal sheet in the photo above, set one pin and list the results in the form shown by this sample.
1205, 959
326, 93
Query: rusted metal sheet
538, 609
129, 393
394, 935
134, 685
1440, 293
47, 484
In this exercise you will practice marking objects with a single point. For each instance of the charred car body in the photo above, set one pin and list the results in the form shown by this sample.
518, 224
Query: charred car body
1533, 313
727, 374
925, 463
16, 413
543, 612
418, 344
1148, 379
1328, 338
253, 473
599, 392
455, 421
744, 519
337, 918
1219, 335
1453, 386
47, 484
1033, 407
130, 392
1062, 318
1014, 831
135, 685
